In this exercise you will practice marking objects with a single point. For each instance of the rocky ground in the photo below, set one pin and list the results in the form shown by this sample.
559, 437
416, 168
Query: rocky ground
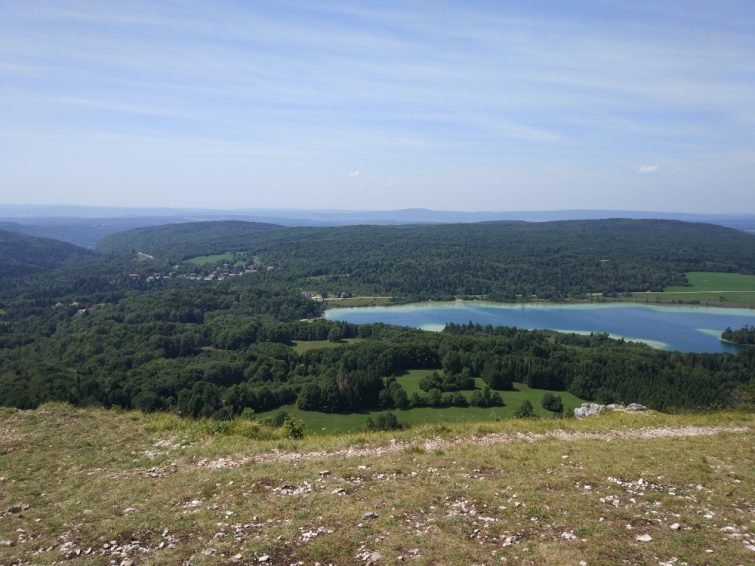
97, 487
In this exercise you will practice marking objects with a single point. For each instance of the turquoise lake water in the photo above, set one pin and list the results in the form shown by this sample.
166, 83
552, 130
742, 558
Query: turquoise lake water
686, 329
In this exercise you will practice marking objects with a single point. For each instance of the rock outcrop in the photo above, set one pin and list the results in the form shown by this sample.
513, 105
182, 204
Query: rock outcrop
589, 409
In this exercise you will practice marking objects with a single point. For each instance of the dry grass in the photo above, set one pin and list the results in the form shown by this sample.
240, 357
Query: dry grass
90, 477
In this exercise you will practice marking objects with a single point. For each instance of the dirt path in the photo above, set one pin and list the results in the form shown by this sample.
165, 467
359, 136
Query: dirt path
434, 444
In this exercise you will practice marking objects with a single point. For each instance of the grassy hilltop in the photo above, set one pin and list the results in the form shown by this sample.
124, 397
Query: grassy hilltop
105, 487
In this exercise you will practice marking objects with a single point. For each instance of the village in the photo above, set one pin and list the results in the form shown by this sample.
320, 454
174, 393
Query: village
203, 271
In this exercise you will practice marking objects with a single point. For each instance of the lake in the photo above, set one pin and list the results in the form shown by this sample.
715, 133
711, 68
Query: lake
686, 329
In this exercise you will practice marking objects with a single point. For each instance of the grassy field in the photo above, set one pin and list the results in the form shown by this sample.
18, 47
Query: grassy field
99, 487
715, 282
336, 302
712, 289
306, 345
512, 399
210, 259
327, 423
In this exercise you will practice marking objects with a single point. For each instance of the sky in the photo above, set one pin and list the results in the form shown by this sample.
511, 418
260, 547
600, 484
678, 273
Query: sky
359, 105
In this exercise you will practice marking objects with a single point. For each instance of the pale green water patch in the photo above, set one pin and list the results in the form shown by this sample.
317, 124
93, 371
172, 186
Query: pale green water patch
710, 332
433, 327
662, 327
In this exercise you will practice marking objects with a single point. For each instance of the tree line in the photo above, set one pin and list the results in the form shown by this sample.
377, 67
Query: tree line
744, 335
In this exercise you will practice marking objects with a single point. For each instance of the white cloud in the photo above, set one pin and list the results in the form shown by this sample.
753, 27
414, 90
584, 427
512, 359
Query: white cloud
648, 169
354, 173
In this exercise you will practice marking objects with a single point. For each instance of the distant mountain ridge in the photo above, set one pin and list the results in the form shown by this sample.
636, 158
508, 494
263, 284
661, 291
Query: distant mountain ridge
189, 238
85, 226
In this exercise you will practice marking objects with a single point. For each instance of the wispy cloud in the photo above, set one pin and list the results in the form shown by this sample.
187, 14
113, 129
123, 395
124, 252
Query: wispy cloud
648, 169
354, 173
436, 94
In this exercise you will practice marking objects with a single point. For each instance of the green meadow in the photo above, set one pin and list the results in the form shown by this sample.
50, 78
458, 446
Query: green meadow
335, 302
210, 259
714, 282
708, 288
327, 423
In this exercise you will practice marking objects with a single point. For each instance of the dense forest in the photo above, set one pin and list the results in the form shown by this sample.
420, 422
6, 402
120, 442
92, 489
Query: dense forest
204, 352
744, 335
501, 260
149, 331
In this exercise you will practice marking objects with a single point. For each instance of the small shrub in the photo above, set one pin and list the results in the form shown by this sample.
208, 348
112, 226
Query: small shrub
525, 410
486, 398
279, 419
248, 414
293, 427
458, 400
252, 429
552, 403
215, 426
384, 421
223, 414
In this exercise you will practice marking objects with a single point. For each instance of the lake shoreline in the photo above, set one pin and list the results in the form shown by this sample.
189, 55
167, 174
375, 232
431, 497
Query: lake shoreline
692, 328
619, 303
565, 302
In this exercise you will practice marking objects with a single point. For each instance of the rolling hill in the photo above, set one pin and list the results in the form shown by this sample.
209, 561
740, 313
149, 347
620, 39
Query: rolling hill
500, 260
180, 241
22, 255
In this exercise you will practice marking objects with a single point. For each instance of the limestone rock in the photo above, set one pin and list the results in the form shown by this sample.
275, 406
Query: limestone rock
588, 409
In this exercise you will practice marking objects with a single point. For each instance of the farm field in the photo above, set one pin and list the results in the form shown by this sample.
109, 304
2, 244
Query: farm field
713, 282
328, 423
210, 259
706, 288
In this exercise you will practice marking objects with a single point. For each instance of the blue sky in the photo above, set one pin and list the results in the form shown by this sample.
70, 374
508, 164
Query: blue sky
536, 105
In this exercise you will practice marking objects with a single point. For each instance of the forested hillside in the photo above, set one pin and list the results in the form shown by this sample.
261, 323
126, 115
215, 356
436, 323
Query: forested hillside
22, 255
181, 241
501, 260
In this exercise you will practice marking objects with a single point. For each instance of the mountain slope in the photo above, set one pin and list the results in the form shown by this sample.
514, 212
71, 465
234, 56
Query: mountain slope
21, 254
171, 491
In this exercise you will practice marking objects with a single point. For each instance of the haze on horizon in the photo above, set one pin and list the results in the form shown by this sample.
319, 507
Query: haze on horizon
379, 105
